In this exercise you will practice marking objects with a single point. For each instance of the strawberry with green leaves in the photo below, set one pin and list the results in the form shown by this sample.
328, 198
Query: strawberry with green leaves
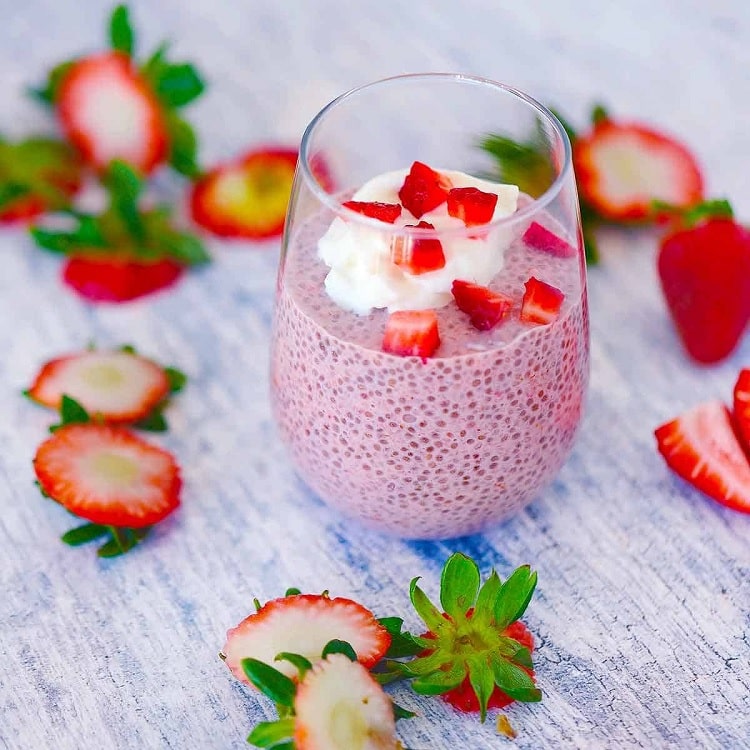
128, 250
37, 175
110, 106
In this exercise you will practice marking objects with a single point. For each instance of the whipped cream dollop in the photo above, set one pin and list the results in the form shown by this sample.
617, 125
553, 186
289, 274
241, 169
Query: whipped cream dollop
363, 277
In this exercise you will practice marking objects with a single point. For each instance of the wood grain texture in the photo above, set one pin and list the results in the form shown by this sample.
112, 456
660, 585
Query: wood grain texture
642, 614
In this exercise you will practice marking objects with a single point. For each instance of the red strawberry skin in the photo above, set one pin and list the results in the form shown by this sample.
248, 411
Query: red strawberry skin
423, 190
87, 91
387, 212
622, 168
418, 255
484, 307
115, 279
541, 302
412, 333
702, 448
742, 407
63, 459
471, 205
705, 276
540, 238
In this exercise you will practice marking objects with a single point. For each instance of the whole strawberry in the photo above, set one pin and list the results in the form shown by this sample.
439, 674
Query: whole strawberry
704, 268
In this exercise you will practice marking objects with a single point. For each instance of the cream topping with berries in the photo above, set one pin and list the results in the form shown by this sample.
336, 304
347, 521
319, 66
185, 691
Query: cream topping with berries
363, 275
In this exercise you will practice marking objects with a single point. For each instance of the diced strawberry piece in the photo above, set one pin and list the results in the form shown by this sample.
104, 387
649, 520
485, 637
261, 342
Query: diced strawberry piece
412, 333
541, 302
387, 212
304, 624
623, 167
339, 706
108, 475
471, 205
109, 112
484, 307
248, 198
112, 386
418, 255
742, 407
423, 190
116, 279
540, 238
702, 448
705, 276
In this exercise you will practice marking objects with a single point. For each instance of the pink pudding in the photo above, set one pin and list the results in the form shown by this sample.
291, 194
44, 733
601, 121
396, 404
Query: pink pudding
436, 447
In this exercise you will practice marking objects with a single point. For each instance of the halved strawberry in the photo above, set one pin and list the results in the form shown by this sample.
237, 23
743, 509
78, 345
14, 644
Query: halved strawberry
465, 699
484, 307
471, 205
423, 190
339, 706
742, 407
412, 333
623, 167
418, 255
304, 624
705, 276
702, 448
247, 198
108, 112
387, 212
113, 386
540, 238
108, 475
541, 302
118, 279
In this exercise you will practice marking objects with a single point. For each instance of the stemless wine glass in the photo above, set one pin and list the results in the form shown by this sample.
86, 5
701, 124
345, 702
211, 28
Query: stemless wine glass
443, 445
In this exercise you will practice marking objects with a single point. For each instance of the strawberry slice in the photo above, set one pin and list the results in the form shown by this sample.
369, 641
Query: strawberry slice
339, 706
484, 307
471, 205
423, 190
701, 447
112, 386
418, 255
412, 333
108, 475
540, 238
742, 407
303, 624
247, 198
705, 276
387, 212
623, 167
117, 278
108, 111
541, 302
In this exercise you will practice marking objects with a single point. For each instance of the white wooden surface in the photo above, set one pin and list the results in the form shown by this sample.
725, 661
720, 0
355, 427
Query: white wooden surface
642, 611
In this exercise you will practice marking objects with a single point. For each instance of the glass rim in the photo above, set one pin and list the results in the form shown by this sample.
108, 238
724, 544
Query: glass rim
531, 208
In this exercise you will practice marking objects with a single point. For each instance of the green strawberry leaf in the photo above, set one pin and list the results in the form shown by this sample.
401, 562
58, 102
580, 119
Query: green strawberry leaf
567, 127
514, 681
185, 248
290, 591
302, 664
425, 608
11, 191
71, 412
272, 683
403, 643
178, 84
423, 666
336, 646
84, 534
272, 733
121, 35
183, 147
122, 541
47, 94
515, 595
125, 187
177, 381
152, 68
441, 681
128, 349
399, 712
154, 422
484, 610
599, 114
459, 585
482, 683
522, 657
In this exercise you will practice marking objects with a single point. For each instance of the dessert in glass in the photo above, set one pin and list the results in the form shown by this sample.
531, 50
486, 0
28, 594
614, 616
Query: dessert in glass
430, 339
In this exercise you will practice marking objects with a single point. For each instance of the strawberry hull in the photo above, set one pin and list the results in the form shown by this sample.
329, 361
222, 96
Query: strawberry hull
436, 447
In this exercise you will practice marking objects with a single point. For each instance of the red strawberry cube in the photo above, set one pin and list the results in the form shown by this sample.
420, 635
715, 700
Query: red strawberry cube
412, 333
540, 238
418, 255
387, 212
541, 302
484, 307
423, 190
471, 205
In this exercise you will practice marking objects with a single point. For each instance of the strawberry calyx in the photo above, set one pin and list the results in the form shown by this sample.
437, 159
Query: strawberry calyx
681, 217
173, 85
37, 175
